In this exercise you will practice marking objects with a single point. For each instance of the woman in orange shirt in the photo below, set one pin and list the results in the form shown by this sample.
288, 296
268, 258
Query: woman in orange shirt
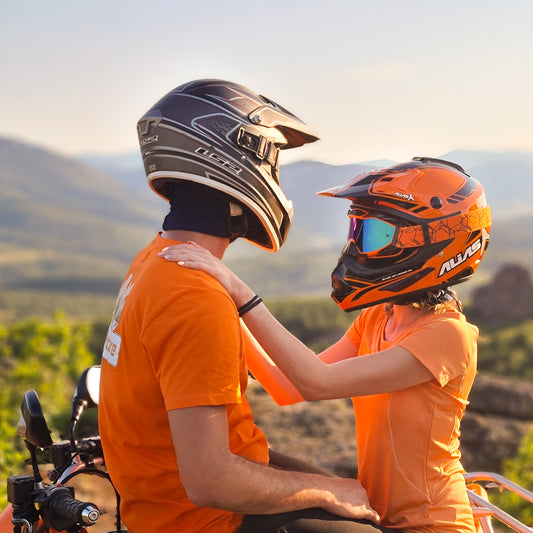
409, 359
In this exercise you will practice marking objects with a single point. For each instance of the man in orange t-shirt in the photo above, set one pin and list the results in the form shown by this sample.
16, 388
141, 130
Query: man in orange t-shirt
178, 345
178, 436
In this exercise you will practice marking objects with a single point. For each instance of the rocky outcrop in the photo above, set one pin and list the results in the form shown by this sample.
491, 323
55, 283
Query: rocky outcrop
507, 299
502, 397
499, 415
319, 432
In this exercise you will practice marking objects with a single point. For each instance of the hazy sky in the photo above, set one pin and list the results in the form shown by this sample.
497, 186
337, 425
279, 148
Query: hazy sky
376, 79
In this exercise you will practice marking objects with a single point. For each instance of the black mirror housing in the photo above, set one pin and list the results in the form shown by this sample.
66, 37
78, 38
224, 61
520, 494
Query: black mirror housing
35, 431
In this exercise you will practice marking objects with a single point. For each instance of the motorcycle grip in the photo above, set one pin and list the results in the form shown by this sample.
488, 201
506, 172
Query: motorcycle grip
64, 506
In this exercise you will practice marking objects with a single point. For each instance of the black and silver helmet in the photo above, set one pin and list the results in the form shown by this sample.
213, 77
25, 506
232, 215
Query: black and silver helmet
222, 135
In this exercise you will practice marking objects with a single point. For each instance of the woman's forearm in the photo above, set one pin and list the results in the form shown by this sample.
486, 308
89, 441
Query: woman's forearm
267, 373
296, 361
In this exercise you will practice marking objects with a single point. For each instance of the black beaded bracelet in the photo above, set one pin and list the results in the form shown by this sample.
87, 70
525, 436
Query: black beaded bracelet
256, 300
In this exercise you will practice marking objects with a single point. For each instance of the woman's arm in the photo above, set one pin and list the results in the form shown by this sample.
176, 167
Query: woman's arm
275, 382
273, 379
342, 349
386, 371
267, 373
390, 370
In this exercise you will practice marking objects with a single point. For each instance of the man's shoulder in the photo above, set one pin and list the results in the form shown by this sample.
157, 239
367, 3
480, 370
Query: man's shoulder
152, 269
156, 284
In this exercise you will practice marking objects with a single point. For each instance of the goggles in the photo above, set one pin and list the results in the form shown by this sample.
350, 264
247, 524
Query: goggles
370, 234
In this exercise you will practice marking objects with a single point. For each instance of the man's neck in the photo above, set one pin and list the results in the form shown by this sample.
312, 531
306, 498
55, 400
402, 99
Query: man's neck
216, 245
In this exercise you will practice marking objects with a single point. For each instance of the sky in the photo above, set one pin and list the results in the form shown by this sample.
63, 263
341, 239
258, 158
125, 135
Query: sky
375, 79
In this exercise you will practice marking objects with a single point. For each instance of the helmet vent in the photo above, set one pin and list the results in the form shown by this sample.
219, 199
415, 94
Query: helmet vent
220, 125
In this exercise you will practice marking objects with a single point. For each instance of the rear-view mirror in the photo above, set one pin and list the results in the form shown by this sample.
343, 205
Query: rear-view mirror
33, 428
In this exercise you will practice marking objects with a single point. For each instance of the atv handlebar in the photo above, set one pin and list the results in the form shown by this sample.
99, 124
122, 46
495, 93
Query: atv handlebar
66, 508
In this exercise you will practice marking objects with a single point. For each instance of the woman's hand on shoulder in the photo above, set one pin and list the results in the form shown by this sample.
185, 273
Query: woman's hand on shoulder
191, 255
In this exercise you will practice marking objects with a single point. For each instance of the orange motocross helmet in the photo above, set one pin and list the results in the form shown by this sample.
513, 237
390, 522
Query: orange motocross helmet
414, 227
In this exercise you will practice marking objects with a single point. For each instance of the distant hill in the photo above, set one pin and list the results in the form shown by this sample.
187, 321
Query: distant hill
67, 223
63, 222
506, 176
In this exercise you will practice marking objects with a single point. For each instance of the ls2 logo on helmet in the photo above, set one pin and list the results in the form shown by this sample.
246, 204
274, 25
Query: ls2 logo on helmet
460, 258
218, 159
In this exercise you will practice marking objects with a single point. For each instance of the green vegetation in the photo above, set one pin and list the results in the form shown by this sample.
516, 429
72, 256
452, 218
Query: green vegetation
46, 357
317, 321
520, 470
507, 351
19, 305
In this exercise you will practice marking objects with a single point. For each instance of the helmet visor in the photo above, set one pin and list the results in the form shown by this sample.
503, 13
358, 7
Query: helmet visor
370, 234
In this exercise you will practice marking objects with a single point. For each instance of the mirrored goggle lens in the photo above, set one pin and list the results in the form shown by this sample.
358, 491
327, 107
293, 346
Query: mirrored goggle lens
370, 234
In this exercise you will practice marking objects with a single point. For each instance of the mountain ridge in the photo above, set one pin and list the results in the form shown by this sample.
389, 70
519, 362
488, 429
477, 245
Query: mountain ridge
64, 219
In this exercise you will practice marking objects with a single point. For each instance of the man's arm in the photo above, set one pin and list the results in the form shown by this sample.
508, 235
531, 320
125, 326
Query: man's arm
287, 462
214, 477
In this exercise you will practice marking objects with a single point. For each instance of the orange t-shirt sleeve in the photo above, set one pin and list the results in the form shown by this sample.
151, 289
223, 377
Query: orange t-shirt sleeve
199, 364
444, 346
364, 320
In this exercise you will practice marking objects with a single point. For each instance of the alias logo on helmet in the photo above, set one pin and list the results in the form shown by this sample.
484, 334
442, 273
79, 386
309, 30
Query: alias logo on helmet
460, 258
405, 196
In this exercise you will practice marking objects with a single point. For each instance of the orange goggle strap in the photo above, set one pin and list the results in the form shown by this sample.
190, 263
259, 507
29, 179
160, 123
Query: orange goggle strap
444, 229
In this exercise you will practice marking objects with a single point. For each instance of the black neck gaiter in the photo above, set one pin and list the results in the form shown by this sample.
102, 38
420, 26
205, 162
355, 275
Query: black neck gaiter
195, 207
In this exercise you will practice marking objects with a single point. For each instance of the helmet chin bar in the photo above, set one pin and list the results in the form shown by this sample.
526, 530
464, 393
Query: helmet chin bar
358, 283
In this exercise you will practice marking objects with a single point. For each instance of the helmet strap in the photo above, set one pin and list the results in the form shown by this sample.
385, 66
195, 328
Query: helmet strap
429, 298
237, 221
